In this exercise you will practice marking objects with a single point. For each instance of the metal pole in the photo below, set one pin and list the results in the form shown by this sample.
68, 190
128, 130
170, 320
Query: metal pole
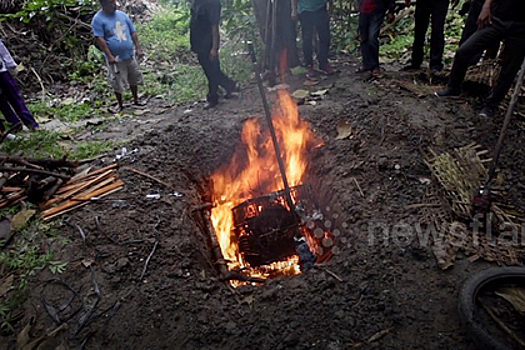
307, 259
505, 127
268, 115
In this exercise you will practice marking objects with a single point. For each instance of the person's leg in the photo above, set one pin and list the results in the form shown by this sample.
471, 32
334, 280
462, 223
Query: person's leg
375, 28
322, 25
225, 81
14, 98
115, 79
422, 20
134, 79
471, 23
477, 43
437, 39
118, 95
364, 29
212, 71
307, 29
7, 111
512, 60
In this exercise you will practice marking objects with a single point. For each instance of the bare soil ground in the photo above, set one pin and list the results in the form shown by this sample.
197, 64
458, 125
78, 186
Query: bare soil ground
380, 295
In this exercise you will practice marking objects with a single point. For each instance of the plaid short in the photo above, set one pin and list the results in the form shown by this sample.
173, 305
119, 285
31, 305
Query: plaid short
123, 74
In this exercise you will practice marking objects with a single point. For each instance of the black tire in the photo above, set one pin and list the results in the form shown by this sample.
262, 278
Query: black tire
479, 334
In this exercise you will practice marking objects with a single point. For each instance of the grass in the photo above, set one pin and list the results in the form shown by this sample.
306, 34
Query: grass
51, 144
91, 149
68, 111
171, 70
25, 258
165, 37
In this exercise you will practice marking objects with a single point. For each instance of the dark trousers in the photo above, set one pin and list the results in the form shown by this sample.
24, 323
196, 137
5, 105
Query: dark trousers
312, 22
471, 26
212, 70
12, 105
437, 10
512, 56
369, 27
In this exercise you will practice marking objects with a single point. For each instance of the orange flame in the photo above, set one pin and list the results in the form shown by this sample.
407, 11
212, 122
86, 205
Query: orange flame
254, 171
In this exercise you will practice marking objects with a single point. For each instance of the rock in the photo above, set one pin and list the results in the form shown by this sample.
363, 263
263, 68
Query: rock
121, 264
232, 328
269, 294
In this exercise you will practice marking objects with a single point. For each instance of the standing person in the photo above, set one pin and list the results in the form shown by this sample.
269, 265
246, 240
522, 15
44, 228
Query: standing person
371, 15
314, 18
205, 40
503, 21
425, 11
471, 26
12, 105
117, 36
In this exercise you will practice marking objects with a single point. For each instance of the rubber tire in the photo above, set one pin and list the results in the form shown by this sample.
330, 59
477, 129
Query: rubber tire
467, 304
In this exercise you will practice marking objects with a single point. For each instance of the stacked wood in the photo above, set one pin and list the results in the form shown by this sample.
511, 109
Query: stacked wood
80, 190
30, 178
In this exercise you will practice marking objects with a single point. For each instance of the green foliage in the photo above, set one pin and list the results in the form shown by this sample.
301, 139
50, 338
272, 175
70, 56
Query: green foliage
401, 37
238, 19
50, 144
345, 28
43, 143
67, 113
166, 36
50, 10
23, 259
171, 71
91, 149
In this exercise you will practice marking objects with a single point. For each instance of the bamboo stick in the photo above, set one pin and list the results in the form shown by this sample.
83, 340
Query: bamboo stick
7, 189
77, 178
77, 189
79, 204
80, 198
34, 171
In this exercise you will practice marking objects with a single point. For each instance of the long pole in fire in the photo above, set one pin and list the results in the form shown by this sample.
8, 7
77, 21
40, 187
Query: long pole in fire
268, 115
306, 257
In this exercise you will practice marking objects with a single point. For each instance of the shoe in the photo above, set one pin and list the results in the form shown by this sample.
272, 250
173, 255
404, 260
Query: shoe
210, 105
411, 67
116, 109
328, 69
375, 73
487, 113
310, 72
448, 92
9, 136
231, 93
435, 69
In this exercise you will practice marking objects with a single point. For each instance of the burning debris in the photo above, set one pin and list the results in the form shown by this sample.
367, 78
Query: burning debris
264, 229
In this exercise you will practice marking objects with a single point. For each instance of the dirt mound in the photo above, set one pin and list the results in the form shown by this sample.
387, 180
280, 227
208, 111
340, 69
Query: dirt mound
149, 266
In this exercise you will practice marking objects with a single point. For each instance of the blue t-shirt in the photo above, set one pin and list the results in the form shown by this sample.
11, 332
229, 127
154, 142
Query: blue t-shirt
116, 29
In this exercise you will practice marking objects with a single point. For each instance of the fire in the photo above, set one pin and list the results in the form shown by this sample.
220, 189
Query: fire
254, 171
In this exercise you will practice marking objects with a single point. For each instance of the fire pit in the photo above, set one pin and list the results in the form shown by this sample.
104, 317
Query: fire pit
261, 231
266, 228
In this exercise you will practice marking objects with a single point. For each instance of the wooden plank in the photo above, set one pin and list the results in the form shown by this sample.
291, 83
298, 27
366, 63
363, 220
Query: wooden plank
84, 197
77, 178
79, 205
77, 189
6, 189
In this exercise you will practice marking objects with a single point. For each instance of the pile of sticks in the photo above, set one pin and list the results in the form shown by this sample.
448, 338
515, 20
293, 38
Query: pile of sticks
30, 178
81, 190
